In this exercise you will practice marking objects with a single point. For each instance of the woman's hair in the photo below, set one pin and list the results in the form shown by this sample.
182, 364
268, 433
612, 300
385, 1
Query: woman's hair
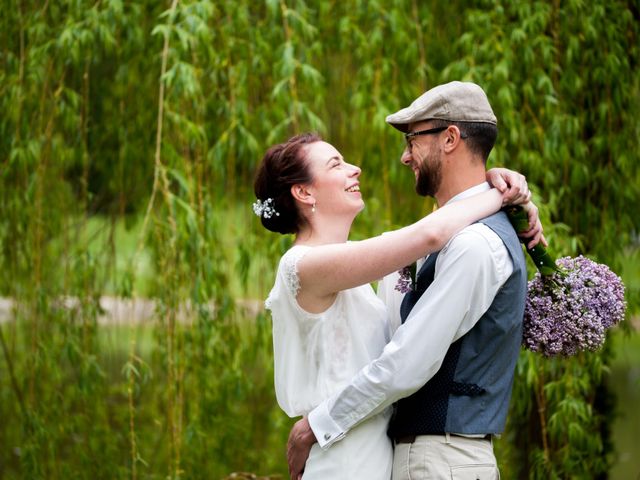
283, 166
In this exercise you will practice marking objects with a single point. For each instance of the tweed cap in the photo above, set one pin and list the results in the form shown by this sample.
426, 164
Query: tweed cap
454, 101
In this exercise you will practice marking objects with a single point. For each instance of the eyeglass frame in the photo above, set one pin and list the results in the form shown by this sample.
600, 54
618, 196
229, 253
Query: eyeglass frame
429, 131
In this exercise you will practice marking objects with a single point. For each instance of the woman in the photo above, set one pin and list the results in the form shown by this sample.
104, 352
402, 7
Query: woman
327, 321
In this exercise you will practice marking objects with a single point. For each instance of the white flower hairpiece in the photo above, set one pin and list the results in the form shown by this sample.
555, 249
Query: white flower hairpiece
265, 209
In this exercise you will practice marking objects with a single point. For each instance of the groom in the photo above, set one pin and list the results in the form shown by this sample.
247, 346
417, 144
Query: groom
450, 365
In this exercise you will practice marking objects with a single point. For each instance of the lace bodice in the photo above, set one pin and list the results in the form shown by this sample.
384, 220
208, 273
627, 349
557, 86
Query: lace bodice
289, 270
317, 353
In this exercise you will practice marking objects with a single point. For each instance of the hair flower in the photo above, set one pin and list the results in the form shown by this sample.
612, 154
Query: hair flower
265, 209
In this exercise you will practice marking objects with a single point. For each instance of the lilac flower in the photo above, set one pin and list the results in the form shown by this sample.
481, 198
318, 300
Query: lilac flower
405, 282
570, 311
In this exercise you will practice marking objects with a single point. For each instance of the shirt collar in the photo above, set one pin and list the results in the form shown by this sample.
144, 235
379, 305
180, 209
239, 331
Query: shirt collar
469, 192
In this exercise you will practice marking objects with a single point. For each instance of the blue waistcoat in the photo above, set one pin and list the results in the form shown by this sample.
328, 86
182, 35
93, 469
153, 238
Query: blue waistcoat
470, 392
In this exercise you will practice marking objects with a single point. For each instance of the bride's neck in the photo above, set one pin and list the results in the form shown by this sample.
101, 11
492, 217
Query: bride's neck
321, 231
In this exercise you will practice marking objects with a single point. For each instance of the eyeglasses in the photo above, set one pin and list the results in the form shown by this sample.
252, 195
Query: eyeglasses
410, 135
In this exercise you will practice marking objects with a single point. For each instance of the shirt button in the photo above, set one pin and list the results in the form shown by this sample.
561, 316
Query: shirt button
327, 436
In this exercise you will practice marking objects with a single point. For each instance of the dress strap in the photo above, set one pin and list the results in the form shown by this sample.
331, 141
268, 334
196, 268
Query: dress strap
290, 267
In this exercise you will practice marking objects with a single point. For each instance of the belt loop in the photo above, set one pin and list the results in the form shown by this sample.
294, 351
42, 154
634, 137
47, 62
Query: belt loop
447, 438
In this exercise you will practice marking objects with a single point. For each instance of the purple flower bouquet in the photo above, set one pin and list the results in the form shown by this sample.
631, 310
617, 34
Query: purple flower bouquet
569, 311
570, 303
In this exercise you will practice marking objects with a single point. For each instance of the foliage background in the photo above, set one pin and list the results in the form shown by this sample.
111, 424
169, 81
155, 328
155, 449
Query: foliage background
129, 135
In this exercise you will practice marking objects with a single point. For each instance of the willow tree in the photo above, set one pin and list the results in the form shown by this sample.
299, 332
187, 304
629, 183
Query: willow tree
154, 116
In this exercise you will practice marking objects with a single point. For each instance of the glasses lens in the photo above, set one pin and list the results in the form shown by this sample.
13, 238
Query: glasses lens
409, 138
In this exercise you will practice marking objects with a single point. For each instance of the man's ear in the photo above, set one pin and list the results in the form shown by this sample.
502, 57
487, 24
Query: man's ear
302, 194
452, 138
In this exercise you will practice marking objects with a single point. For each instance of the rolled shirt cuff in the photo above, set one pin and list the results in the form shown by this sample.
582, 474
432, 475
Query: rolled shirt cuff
324, 428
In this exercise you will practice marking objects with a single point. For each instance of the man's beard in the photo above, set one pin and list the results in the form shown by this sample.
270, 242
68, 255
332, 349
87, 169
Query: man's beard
429, 175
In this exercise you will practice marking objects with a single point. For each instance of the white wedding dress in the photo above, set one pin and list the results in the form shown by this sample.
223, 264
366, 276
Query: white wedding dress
317, 354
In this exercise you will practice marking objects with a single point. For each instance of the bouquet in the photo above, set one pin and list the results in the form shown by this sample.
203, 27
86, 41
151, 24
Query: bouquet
570, 303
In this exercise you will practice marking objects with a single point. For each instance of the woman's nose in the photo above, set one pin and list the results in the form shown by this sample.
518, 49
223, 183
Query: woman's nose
356, 171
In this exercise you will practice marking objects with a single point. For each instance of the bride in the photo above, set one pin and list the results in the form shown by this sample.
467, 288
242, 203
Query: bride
327, 321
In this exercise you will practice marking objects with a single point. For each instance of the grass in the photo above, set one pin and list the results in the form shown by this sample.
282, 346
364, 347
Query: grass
119, 243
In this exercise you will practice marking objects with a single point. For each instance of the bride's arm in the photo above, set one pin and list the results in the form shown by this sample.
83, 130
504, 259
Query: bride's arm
328, 269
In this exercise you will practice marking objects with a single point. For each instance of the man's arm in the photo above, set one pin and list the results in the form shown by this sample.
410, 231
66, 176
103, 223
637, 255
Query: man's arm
392, 298
469, 273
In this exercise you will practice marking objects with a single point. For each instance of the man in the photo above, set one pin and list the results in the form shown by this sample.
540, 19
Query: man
454, 356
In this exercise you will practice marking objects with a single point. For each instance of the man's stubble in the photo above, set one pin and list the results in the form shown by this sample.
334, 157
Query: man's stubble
429, 174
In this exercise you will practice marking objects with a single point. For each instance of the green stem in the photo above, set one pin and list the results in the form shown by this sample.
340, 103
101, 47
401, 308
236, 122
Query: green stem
542, 259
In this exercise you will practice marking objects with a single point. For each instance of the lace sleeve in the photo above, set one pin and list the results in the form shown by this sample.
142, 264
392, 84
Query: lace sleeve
290, 268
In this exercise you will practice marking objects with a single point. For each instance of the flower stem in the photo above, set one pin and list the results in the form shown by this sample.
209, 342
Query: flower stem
542, 259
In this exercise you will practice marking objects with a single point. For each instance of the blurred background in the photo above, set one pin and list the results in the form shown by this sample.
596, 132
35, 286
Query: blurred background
134, 343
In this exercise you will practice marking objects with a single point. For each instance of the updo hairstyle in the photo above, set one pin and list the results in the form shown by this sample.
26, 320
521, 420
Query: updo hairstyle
283, 166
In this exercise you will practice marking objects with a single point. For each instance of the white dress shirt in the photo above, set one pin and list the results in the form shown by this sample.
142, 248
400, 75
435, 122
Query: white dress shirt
469, 271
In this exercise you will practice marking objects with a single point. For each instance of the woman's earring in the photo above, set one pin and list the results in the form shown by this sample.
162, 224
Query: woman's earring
313, 207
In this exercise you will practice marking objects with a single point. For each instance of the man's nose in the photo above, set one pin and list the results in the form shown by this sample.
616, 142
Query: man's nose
406, 157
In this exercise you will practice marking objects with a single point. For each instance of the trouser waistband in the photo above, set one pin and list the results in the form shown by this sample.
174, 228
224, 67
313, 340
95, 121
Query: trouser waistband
412, 438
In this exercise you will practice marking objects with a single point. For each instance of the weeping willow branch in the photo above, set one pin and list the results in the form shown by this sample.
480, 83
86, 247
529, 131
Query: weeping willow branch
12, 376
542, 412
20, 75
292, 78
158, 173
420, 37
158, 167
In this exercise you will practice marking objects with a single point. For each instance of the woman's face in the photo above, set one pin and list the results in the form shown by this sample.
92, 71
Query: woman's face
335, 184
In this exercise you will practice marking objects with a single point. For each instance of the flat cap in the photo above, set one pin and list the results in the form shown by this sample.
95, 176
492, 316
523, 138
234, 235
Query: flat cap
453, 101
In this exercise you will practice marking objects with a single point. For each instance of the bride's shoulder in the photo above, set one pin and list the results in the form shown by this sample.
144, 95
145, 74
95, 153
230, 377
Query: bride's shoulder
293, 255
288, 266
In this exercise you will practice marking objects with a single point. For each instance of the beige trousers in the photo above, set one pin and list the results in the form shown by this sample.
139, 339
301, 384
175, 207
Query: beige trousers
435, 457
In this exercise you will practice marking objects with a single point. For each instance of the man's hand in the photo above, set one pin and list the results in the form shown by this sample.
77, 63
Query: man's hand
511, 184
301, 439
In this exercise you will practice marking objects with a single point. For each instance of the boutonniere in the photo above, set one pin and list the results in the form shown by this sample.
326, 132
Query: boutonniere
407, 281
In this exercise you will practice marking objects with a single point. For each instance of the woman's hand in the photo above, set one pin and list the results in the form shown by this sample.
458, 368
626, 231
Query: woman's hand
512, 185
534, 234
515, 191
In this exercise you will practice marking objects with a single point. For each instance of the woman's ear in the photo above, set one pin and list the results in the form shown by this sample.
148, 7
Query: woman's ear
302, 194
